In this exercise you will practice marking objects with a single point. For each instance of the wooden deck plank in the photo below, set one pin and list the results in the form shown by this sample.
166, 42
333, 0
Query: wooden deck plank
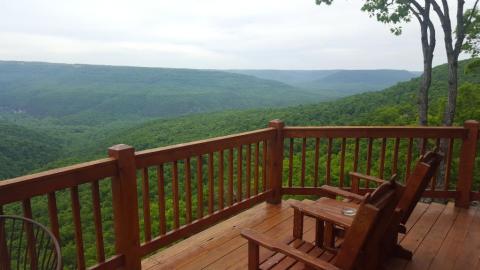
429, 247
417, 213
200, 246
470, 249
417, 233
442, 237
449, 250
231, 248
239, 256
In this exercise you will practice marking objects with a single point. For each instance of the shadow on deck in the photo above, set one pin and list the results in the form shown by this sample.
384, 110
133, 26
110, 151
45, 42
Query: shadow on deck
441, 236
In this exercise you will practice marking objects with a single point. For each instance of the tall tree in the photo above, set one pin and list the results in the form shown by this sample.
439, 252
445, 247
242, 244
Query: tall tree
453, 48
397, 12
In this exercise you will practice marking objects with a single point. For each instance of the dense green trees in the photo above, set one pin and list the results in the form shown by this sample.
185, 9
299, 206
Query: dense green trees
74, 143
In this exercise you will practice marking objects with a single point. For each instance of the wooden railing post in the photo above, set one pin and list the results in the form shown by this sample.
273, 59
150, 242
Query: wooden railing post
125, 206
466, 164
275, 162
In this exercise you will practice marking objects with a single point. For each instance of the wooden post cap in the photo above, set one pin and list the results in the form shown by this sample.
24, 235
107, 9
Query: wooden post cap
120, 148
276, 123
471, 123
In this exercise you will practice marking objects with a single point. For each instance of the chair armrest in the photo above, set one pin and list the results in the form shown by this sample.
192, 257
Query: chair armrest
340, 192
318, 212
277, 246
357, 176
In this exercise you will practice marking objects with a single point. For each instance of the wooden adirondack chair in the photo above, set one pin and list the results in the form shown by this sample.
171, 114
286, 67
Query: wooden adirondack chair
364, 232
408, 198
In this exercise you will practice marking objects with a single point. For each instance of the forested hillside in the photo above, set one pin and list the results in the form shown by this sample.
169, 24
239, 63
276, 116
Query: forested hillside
80, 94
393, 106
23, 150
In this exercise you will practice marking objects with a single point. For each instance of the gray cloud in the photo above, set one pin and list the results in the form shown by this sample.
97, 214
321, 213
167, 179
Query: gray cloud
283, 34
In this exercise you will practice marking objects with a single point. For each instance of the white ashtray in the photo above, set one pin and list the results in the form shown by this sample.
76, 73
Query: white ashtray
349, 212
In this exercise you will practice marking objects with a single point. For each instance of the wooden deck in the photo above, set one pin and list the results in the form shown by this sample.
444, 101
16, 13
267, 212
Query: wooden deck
442, 237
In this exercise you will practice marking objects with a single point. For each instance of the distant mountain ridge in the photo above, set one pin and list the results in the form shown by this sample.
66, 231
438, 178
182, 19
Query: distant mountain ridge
88, 93
337, 82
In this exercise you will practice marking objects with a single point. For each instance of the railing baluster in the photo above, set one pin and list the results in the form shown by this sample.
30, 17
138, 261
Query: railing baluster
199, 187
424, 146
434, 178
317, 157
329, 160
257, 169
369, 160
239, 173
382, 158
409, 158
248, 171
176, 210
161, 200
31, 245
290, 163
302, 176
78, 227
188, 192
264, 166
448, 164
355, 155
210, 184
147, 221
342, 162
230, 176
395, 156
220, 179
97, 219
53, 215
4, 254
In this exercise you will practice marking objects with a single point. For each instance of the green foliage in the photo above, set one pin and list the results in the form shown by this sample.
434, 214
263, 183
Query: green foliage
472, 38
473, 66
23, 149
394, 12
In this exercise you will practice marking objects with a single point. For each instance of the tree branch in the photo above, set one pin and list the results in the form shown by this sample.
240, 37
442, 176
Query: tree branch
416, 14
419, 7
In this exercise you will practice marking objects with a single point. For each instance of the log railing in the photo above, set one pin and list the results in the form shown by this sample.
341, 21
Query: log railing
220, 177
36, 195
321, 152
162, 195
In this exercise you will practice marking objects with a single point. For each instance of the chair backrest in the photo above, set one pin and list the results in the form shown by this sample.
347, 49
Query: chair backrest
27, 244
370, 224
417, 182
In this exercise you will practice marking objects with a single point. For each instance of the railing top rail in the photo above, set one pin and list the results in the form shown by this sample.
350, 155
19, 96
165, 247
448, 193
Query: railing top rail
161, 155
24, 187
376, 132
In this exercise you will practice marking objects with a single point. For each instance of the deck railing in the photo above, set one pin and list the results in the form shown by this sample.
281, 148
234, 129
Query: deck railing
162, 195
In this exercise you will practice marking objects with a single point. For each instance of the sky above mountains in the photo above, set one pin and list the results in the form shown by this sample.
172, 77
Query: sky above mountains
223, 34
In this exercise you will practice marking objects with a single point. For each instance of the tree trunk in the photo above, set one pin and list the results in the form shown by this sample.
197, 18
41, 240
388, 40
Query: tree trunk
428, 46
452, 90
423, 92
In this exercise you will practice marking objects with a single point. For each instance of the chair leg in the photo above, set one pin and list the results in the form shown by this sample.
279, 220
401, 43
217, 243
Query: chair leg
297, 224
329, 235
253, 255
401, 252
319, 231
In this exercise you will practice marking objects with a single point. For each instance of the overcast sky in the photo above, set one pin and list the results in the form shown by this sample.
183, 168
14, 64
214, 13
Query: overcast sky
260, 34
